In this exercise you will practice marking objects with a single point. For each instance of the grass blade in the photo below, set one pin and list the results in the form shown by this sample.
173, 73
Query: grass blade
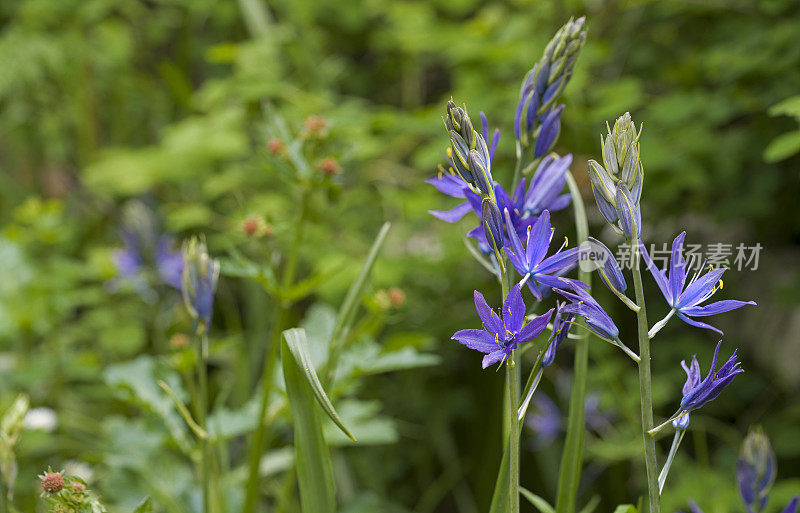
500, 497
348, 309
312, 459
146, 506
298, 346
539, 503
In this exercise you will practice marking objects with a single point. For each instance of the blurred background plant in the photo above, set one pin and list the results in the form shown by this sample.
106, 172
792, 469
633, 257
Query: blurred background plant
216, 116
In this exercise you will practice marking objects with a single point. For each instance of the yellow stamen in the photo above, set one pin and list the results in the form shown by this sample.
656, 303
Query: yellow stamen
449, 152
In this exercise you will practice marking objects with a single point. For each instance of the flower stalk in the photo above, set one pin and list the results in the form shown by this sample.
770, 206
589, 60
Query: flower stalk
258, 442
572, 455
645, 387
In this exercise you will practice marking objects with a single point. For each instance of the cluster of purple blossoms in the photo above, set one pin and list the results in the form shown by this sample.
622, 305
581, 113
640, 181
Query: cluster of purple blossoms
144, 249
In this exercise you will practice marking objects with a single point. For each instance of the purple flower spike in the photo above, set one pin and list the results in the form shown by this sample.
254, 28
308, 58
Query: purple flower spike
697, 393
501, 335
685, 298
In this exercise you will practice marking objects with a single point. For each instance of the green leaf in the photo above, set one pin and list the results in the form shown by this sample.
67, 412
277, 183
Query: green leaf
788, 107
146, 506
591, 505
313, 462
500, 503
539, 503
348, 309
298, 345
367, 424
783, 147
626, 508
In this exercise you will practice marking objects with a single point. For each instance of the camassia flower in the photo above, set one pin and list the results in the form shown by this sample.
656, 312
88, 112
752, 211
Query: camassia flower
539, 272
685, 299
584, 305
501, 335
562, 322
543, 193
698, 392
200, 275
597, 320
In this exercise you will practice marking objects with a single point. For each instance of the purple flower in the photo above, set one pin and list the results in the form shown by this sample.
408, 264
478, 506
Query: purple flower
756, 470
200, 275
562, 322
169, 262
500, 336
551, 127
685, 298
584, 305
544, 193
128, 259
546, 185
529, 260
697, 393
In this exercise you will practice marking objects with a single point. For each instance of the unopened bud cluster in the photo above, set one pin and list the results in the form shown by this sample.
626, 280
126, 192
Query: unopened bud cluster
617, 184
470, 153
538, 118
200, 275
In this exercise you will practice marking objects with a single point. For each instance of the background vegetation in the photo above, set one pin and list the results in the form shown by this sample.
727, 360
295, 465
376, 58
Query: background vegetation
172, 103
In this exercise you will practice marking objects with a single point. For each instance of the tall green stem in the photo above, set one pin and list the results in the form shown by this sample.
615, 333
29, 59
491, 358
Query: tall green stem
645, 387
513, 380
572, 455
257, 445
202, 408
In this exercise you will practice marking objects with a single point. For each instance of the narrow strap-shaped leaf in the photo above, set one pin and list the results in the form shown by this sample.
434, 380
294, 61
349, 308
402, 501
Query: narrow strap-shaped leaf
591, 505
298, 346
312, 459
500, 496
348, 309
626, 508
146, 506
539, 503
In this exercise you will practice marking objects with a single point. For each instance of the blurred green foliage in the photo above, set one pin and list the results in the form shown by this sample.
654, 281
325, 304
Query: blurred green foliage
170, 102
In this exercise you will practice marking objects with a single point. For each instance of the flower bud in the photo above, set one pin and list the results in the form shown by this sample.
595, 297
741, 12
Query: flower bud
200, 275
621, 154
480, 172
316, 125
329, 166
53, 482
461, 156
630, 217
544, 84
551, 127
756, 470
492, 224
276, 147
604, 191
681, 422
596, 254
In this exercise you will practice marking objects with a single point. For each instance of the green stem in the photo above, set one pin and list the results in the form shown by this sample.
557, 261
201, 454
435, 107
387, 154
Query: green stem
645, 387
513, 379
202, 408
572, 456
517, 169
257, 445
